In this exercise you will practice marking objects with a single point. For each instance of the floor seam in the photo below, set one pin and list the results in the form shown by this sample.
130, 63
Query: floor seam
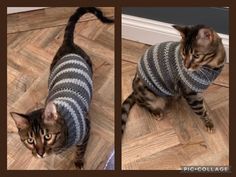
50, 26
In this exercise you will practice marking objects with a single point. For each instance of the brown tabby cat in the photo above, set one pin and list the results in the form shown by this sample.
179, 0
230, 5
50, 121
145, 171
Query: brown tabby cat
200, 57
46, 130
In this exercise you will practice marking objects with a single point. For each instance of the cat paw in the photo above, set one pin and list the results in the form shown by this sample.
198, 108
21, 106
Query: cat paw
79, 164
210, 127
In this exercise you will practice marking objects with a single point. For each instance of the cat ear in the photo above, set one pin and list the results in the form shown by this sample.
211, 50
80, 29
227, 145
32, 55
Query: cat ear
50, 113
205, 34
182, 29
20, 120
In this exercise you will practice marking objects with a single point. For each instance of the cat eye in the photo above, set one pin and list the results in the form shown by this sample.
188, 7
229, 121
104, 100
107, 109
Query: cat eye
48, 136
30, 140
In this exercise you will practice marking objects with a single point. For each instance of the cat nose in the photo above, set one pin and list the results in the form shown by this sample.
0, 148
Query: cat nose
187, 63
187, 66
40, 152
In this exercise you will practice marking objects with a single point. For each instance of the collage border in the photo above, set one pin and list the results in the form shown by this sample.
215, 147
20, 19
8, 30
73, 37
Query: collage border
118, 4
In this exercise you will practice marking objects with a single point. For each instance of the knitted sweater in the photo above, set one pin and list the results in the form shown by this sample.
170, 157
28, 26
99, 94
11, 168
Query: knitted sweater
70, 89
161, 68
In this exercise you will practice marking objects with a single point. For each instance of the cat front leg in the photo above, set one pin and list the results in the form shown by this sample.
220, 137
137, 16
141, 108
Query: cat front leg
81, 149
196, 102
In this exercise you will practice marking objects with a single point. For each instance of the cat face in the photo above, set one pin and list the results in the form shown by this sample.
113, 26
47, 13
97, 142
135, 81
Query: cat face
41, 131
200, 46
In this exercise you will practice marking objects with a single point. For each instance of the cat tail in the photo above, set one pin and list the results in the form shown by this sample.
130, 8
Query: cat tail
69, 31
125, 109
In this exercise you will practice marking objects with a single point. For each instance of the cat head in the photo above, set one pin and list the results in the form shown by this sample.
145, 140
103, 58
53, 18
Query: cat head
200, 46
41, 131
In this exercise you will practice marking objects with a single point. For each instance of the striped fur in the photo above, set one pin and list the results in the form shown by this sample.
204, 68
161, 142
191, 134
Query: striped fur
158, 83
126, 106
196, 102
69, 31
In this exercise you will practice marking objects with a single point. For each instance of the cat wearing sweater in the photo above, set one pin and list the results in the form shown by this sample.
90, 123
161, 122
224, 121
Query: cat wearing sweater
63, 122
173, 70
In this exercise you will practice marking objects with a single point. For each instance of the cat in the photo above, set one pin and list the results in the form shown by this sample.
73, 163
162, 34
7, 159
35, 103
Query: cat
173, 70
63, 121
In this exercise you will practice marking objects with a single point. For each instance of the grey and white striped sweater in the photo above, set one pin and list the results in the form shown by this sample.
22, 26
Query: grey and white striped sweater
161, 67
70, 89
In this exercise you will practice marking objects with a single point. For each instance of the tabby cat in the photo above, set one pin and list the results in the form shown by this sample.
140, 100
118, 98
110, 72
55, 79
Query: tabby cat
173, 70
63, 122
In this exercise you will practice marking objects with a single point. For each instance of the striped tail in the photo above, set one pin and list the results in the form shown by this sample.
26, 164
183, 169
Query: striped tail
69, 31
125, 109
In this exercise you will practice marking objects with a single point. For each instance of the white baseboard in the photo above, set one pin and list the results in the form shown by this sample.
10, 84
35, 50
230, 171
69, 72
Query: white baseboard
151, 32
11, 10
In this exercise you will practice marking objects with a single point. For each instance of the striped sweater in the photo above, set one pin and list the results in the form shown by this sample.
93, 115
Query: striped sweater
70, 89
161, 68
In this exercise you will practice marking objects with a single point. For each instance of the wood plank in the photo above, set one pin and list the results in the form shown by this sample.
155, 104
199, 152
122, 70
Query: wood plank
147, 145
48, 17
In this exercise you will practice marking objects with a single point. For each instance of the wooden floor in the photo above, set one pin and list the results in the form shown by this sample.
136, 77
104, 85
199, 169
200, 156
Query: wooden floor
180, 139
33, 38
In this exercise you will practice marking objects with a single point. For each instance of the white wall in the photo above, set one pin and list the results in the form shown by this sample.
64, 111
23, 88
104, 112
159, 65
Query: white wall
11, 10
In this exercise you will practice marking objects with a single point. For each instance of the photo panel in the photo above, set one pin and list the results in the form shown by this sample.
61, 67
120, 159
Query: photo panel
60, 85
175, 87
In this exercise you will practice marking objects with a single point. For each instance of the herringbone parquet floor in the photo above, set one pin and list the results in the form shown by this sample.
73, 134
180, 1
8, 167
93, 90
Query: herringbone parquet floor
32, 39
180, 138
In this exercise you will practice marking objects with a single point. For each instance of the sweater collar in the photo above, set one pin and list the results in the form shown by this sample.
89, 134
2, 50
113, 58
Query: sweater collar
205, 72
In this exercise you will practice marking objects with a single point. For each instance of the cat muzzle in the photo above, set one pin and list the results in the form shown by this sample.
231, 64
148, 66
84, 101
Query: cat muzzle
40, 152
